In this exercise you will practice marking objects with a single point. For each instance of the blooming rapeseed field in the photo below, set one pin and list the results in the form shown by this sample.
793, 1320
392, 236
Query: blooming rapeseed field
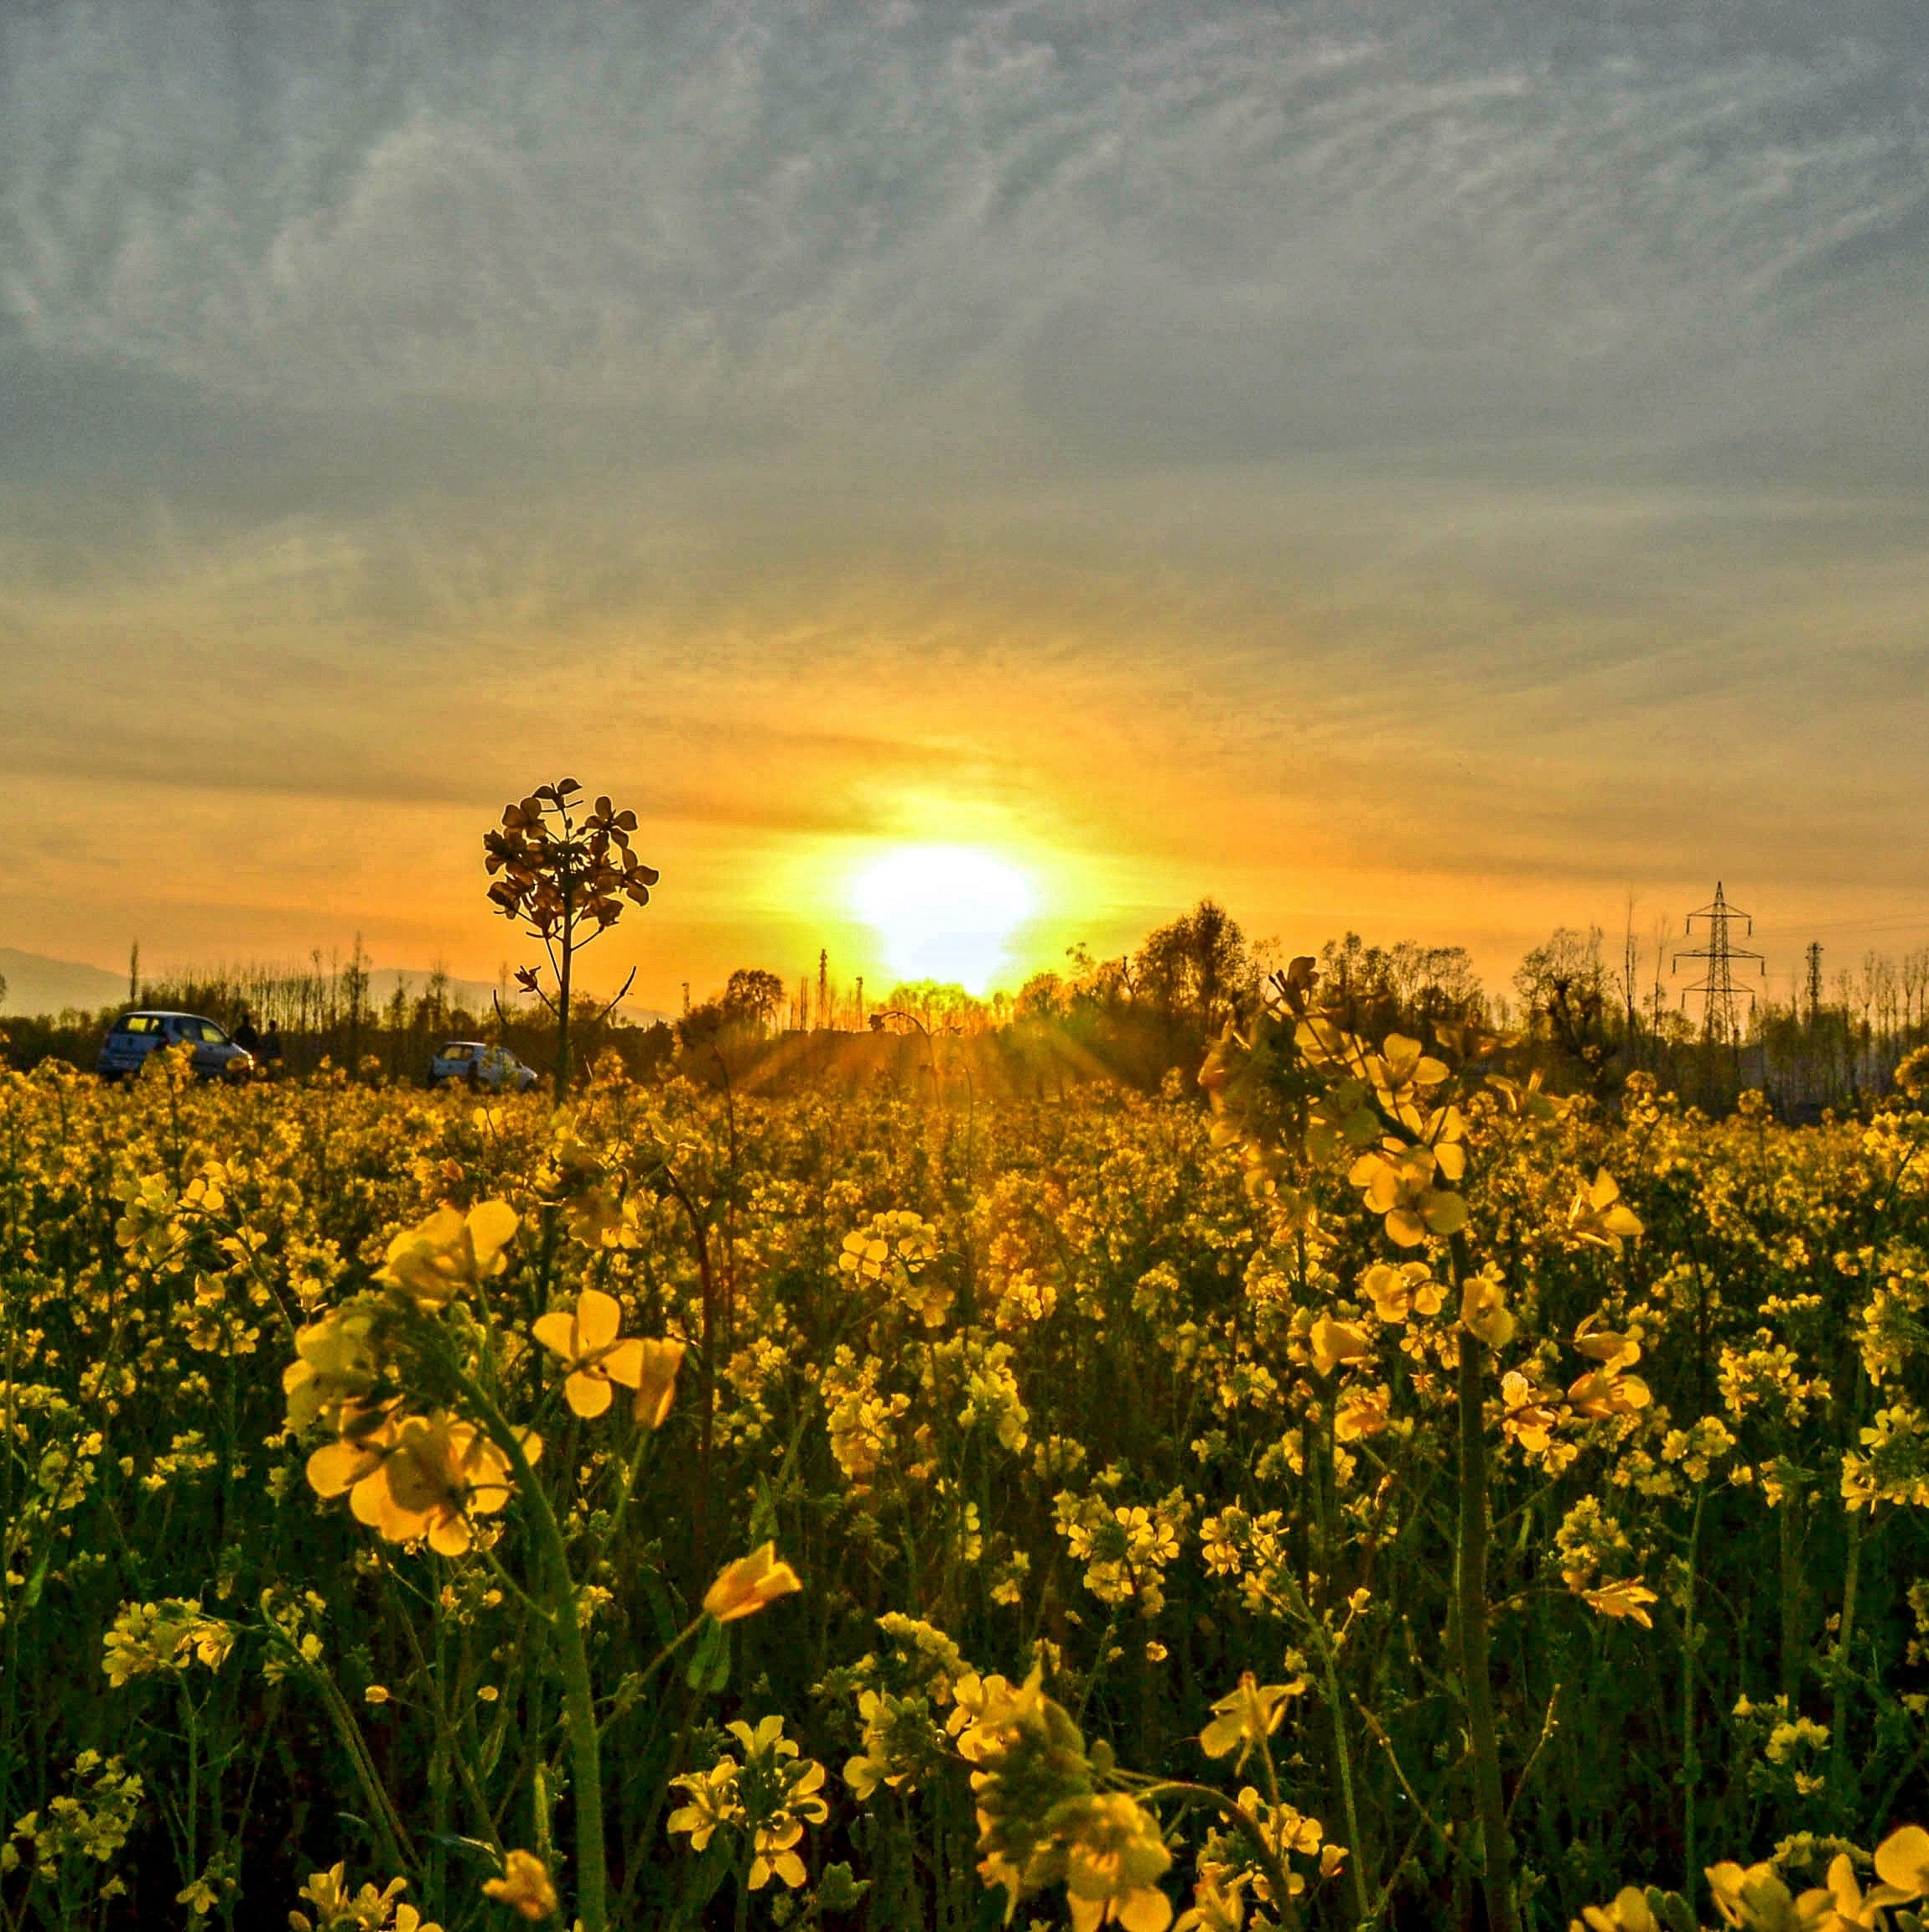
1390, 1496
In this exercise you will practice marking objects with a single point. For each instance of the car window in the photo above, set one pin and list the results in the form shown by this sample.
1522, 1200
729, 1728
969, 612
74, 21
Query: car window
457, 1049
213, 1034
137, 1023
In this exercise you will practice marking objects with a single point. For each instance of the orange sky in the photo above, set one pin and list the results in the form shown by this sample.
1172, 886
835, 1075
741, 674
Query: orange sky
1379, 472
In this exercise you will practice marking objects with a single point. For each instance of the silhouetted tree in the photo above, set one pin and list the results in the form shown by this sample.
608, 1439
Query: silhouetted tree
753, 995
565, 880
1198, 965
1564, 987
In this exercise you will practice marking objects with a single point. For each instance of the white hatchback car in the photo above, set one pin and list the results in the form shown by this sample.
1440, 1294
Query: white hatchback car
134, 1035
480, 1064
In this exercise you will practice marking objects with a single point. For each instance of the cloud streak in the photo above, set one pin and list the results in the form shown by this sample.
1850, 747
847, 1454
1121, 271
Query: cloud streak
1203, 230
1302, 449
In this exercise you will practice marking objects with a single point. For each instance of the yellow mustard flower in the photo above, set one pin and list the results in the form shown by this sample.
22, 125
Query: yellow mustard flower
450, 1252
343, 1466
1333, 1343
172, 1635
1755, 1897
1627, 1912
1398, 1183
1244, 1718
1628, 1598
1218, 1905
1600, 1217
779, 1792
335, 1366
1484, 1309
1605, 1392
657, 1386
750, 1584
1114, 1854
593, 1355
423, 1478
525, 1885
368, 1910
1399, 1290
1361, 1412
713, 1796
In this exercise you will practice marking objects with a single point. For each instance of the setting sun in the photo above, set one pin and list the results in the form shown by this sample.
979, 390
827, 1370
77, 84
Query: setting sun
943, 911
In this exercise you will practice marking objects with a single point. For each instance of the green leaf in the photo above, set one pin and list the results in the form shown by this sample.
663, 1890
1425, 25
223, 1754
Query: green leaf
710, 1667
664, 1613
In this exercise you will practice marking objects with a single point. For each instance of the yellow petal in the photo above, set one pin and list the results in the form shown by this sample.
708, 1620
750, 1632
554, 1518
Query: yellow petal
370, 1497
598, 1318
624, 1363
1902, 1859
336, 1467
586, 1394
490, 1224
556, 1332
1145, 1910
450, 1537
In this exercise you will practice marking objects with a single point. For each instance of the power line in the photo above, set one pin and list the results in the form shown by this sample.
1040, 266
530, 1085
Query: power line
1874, 922
1720, 1020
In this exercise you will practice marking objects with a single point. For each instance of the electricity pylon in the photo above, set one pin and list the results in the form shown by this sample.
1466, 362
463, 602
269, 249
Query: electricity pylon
1718, 1020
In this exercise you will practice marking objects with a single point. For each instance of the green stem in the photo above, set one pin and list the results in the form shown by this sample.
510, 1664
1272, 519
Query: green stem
1690, 1762
1839, 1765
451, 1743
573, 1656
388, 1822
1332, 1696
192, 1822
1470, 1595
1276, 1875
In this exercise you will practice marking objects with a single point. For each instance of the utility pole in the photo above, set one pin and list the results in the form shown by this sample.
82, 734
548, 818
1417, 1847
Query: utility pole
1718, 1020
860, 1002
1814, 981
134, 974
823, 987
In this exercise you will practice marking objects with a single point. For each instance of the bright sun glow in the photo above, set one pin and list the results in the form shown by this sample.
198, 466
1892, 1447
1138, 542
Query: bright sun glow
943, 911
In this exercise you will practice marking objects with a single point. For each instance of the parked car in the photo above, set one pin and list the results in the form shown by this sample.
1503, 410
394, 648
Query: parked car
480, 1064
134, 1035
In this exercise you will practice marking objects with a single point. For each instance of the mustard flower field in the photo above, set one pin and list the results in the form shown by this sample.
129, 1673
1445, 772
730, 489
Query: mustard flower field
1372, 1492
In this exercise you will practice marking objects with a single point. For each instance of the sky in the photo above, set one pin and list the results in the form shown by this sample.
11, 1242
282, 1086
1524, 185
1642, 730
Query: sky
1440, 470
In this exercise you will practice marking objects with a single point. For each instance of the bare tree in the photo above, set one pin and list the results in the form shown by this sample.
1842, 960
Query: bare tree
1914, 985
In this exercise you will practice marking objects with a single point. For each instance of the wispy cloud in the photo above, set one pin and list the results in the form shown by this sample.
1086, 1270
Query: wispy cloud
1159, 230
1334, 441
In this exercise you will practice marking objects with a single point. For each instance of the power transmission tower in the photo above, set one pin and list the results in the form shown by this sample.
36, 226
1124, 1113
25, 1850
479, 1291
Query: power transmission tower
1718, 1020
1814, 981
823, 988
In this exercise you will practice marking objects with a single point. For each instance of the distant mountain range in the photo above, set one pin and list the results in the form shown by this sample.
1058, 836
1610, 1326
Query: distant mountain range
35, 984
